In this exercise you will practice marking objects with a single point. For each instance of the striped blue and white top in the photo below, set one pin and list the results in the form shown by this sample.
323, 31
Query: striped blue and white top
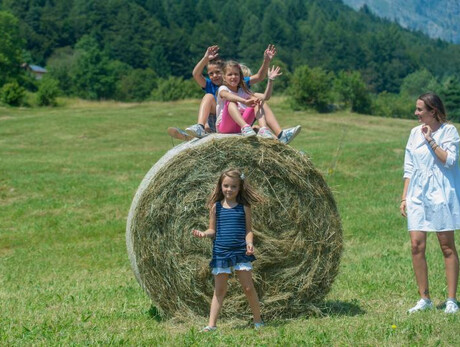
229, 246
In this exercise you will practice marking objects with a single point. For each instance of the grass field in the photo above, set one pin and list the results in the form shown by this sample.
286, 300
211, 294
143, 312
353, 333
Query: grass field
67, 179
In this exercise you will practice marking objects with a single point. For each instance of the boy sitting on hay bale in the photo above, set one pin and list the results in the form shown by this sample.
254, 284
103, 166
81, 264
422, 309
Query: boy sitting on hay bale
207, 111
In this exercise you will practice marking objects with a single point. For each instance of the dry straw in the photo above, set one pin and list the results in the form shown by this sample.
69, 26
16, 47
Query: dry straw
298, 235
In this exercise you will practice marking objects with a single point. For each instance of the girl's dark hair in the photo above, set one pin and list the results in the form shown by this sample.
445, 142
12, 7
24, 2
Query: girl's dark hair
231, 64
247, 195
434, 103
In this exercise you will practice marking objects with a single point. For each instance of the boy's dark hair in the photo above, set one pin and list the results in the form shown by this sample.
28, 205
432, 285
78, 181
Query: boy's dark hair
218, 62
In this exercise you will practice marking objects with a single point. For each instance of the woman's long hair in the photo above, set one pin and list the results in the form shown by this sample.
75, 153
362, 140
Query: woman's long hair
247, 195
434, 103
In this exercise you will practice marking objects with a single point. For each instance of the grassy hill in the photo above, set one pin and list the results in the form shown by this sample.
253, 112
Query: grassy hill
67, 179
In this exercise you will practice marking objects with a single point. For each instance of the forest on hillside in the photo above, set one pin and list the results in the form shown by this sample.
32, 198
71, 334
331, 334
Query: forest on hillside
139, 49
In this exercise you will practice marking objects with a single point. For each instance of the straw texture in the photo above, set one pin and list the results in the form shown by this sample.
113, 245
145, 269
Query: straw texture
298, 234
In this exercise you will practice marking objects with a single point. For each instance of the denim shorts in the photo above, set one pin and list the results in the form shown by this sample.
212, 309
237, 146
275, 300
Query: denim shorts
228, 270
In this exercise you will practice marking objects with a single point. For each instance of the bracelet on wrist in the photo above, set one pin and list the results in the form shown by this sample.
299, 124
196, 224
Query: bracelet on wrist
403, 200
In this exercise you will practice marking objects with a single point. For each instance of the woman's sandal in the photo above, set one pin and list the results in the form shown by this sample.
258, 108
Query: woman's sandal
208, 329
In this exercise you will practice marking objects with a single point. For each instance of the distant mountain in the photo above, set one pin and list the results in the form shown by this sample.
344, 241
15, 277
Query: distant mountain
436, 18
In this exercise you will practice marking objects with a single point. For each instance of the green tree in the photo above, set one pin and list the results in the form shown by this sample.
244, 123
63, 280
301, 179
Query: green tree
48, 91
132, 34
311, 88
12, 94
451, 95
92, 75
419, 82
353, 91
11, 45
393, 105
250, 46
59, 66
175, 88
136, 85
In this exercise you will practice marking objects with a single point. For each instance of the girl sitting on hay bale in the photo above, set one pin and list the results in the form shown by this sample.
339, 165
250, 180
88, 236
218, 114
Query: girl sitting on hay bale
231, 231
238, 107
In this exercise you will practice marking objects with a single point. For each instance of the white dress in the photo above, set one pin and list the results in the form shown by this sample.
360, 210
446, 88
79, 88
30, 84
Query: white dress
432, 198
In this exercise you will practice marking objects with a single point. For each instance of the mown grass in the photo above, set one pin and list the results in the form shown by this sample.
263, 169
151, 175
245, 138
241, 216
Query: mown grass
67, 179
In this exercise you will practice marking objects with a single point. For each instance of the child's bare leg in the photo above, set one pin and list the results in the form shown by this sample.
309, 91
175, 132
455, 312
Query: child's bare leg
245, 278
220, 289
270, 119
207, 106
260, 116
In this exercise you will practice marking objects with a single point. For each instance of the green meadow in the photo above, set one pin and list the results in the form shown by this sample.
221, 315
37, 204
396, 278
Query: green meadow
67, 179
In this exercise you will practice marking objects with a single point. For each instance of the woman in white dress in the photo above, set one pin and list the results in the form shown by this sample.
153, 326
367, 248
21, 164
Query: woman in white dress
431, 193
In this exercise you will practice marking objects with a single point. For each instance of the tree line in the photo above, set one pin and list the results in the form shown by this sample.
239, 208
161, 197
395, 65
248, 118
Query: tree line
134, 50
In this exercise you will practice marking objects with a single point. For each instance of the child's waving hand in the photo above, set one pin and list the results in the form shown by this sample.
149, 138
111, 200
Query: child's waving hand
270, 52
274, 72
212, 52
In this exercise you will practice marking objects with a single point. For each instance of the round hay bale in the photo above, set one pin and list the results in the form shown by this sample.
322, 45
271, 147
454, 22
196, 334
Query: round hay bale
298, 235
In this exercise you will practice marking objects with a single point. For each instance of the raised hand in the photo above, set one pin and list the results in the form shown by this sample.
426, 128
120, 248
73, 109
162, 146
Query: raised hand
270, 52
274, 72
426, 131
212, 52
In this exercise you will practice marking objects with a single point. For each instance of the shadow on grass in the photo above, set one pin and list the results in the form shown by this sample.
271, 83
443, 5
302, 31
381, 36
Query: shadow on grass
341, 308
154, 313
321, 310
325, 309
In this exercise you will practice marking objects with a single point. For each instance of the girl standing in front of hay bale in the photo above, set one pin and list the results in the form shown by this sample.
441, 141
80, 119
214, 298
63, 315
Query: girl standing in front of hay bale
233, 248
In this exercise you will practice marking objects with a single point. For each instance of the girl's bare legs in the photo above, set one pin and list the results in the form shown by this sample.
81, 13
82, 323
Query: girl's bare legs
245, 278
220, 289
207, 106
447, 242
418, 246
270, 119
260, 115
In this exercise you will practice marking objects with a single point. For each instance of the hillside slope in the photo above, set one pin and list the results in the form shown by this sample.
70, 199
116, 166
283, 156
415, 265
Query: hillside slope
438, 19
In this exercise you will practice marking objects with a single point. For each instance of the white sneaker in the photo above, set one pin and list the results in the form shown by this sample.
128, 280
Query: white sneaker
196, 131
265, 133
247, 131
451, 306
289, 134
422, 305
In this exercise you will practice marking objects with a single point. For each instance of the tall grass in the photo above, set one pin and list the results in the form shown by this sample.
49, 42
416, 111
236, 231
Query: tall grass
67, 178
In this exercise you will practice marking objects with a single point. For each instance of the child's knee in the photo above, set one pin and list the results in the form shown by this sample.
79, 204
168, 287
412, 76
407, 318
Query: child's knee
248, 288
209, 98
